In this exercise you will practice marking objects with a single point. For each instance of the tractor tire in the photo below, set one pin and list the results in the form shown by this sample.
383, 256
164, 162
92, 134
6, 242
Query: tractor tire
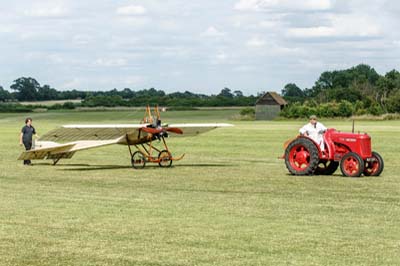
138, 160
301, 157
352, 165
326, 167
375, 167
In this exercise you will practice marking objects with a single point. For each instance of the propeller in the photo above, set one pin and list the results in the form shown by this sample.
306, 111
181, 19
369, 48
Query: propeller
155, 127
162, 129
175, 130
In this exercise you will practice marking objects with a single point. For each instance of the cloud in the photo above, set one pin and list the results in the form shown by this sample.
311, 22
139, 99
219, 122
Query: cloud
110, 62
248, 5
7, 28
131, 10
341, 26
311, 32
134, 21
256, 42
212, 32
268, 24
127, 43
133, 80
244, 68
102, 82
221, 57
48, 10
283, 5
72, 83
82, 39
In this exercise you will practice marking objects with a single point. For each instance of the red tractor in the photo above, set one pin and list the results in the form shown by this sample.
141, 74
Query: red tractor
352, 151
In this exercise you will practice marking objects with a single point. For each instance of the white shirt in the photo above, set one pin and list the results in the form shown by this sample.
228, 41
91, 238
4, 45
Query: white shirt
314, 132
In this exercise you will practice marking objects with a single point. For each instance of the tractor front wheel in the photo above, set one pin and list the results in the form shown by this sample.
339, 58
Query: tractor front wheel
375, 166
301, 157
352, 165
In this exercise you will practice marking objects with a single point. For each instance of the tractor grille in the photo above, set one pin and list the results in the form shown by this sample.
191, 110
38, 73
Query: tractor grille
366, 148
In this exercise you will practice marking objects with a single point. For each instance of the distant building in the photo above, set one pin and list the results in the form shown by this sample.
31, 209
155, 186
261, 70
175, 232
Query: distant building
269, 105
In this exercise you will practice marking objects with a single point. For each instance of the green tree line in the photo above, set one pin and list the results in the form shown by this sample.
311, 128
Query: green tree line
29, 89
355, 91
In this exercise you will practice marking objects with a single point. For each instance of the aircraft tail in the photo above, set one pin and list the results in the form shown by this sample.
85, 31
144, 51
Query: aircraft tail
47, 150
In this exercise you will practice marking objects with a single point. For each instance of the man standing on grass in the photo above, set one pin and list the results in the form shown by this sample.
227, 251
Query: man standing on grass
26, 137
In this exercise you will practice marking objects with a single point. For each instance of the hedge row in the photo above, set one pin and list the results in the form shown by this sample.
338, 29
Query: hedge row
332, 109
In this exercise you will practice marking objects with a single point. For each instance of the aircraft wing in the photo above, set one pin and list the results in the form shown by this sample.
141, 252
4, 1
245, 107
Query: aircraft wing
195, 129
42, 152
90, 132
53, 150
109, 132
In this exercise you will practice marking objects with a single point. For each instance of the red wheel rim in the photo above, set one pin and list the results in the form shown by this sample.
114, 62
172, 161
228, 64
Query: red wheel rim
299, 157
351, 165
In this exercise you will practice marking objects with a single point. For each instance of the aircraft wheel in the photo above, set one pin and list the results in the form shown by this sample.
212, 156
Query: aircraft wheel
138, 160
374, 167
352, 165
164, 158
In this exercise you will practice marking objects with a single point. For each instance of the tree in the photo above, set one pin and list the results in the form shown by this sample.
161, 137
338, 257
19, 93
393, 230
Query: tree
238, 93
127, 93
46, 93
226, 93
4, 95
26, 89
292, 90
324, 82
361, 78
393, 103
387, 86
350, 94
292, 93
364, 73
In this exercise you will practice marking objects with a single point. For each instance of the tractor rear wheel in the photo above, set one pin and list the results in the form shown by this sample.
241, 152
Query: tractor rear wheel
374, 167
326, 167
352, 165
301, 157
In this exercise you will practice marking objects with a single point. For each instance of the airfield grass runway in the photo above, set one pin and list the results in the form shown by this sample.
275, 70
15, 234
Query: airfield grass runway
230, 201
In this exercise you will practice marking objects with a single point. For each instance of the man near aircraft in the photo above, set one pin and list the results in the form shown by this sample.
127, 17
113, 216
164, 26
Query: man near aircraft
26, 135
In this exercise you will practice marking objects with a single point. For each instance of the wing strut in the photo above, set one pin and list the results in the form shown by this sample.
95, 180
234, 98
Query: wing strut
129, 146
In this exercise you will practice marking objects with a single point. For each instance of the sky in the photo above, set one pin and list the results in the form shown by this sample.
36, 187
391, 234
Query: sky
199, 46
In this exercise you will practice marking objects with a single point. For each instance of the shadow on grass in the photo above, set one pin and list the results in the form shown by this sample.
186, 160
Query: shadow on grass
206, 165
334, 175
88, 167
94, 167
83, 166
223, 191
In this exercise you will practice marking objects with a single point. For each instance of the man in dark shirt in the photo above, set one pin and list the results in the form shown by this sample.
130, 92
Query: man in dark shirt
26, 137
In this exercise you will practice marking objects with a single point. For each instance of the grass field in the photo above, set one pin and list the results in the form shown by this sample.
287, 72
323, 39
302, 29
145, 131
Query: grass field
230, 201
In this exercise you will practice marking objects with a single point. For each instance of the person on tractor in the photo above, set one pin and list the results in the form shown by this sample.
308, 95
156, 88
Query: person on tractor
315, 131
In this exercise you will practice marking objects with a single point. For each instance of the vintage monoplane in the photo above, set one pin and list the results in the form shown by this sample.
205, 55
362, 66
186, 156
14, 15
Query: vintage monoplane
63, 142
